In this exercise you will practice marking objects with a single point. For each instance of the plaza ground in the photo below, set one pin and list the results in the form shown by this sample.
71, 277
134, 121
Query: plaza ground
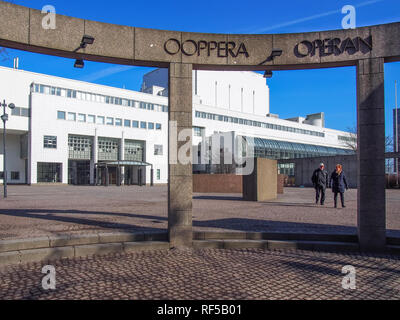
196, 273
208, 274
36, 211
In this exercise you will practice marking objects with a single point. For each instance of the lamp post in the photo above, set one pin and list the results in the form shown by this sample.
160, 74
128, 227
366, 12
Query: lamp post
396, 137
4, 117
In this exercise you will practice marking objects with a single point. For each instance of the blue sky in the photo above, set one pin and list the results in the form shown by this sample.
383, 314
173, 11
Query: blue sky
292, 92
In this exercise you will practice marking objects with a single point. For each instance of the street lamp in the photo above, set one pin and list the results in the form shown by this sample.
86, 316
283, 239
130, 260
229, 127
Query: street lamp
4, 117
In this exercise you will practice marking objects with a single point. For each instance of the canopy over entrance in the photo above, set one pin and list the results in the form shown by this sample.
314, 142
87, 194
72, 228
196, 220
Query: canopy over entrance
123, 172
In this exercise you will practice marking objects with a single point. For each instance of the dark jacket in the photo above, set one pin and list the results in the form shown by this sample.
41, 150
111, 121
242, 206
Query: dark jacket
320, 178
338, 182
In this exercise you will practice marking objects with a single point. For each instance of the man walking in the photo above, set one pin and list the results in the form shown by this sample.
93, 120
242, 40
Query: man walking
320, 182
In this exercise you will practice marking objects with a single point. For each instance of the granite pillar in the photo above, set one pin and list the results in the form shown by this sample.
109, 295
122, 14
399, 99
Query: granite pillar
371, 217
180, 172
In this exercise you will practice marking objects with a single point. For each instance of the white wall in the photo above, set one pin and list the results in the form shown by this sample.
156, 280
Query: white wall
233, 90
14, 162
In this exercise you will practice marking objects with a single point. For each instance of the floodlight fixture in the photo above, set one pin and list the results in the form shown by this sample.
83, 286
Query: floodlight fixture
86, 39
276, 53
268, 74
79, 63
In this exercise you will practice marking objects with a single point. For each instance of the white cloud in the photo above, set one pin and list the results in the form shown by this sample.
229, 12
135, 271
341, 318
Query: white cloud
313, 17
105, 73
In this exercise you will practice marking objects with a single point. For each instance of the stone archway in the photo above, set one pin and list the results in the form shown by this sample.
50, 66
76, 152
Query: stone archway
367, 48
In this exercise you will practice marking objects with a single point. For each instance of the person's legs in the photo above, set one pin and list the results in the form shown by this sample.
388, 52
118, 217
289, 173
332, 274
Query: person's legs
335, 199
322, 196
342, 199
316, 194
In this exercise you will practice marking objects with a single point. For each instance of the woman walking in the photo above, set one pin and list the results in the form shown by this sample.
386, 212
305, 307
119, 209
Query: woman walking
339, 184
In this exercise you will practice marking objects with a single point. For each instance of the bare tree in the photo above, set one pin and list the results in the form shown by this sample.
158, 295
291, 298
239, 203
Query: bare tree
350, 141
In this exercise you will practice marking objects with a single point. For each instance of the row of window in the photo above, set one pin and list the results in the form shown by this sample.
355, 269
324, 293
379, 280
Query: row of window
52, 172
14, 175
347, 139
90, 118
21, 112
212, 116
81, 148
87, 96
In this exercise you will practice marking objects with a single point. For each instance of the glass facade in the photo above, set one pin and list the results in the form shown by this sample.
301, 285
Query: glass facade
134, 150
275, 149
80, 147
108, 149
48, 172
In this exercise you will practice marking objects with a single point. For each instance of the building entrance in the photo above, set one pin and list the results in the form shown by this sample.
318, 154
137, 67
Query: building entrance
79, 172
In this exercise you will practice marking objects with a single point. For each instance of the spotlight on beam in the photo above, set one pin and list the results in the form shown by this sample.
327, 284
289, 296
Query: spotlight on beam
86, 40
79, 64
276, 53
268, 74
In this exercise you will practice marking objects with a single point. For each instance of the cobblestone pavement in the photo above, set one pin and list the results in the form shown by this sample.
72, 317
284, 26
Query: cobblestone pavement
35, 211
208, 274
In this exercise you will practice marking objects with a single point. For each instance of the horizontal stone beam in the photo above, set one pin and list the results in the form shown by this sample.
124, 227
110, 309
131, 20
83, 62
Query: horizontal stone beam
29, 29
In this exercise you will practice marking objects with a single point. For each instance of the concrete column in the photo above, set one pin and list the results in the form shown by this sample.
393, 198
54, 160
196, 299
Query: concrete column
94, 160
371, 154
179, 174
122, 157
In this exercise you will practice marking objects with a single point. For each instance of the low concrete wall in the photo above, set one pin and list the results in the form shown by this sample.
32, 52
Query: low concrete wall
217, 183
261, 184
226, 183
304, 168
281, 183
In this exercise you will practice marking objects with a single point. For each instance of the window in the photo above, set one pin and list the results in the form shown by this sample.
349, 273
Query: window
151, 126
108, 149
81, 117
1, 174
61, 115
80, 147
118, 122
100, 120
158, 150
14, 175
50, 142
158, 174
110, 121
48, 172
127, 123
91, 118
158, 126
135, 124
134, 150
197, 131
143, 125
16, 111
24, 112
71, 116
